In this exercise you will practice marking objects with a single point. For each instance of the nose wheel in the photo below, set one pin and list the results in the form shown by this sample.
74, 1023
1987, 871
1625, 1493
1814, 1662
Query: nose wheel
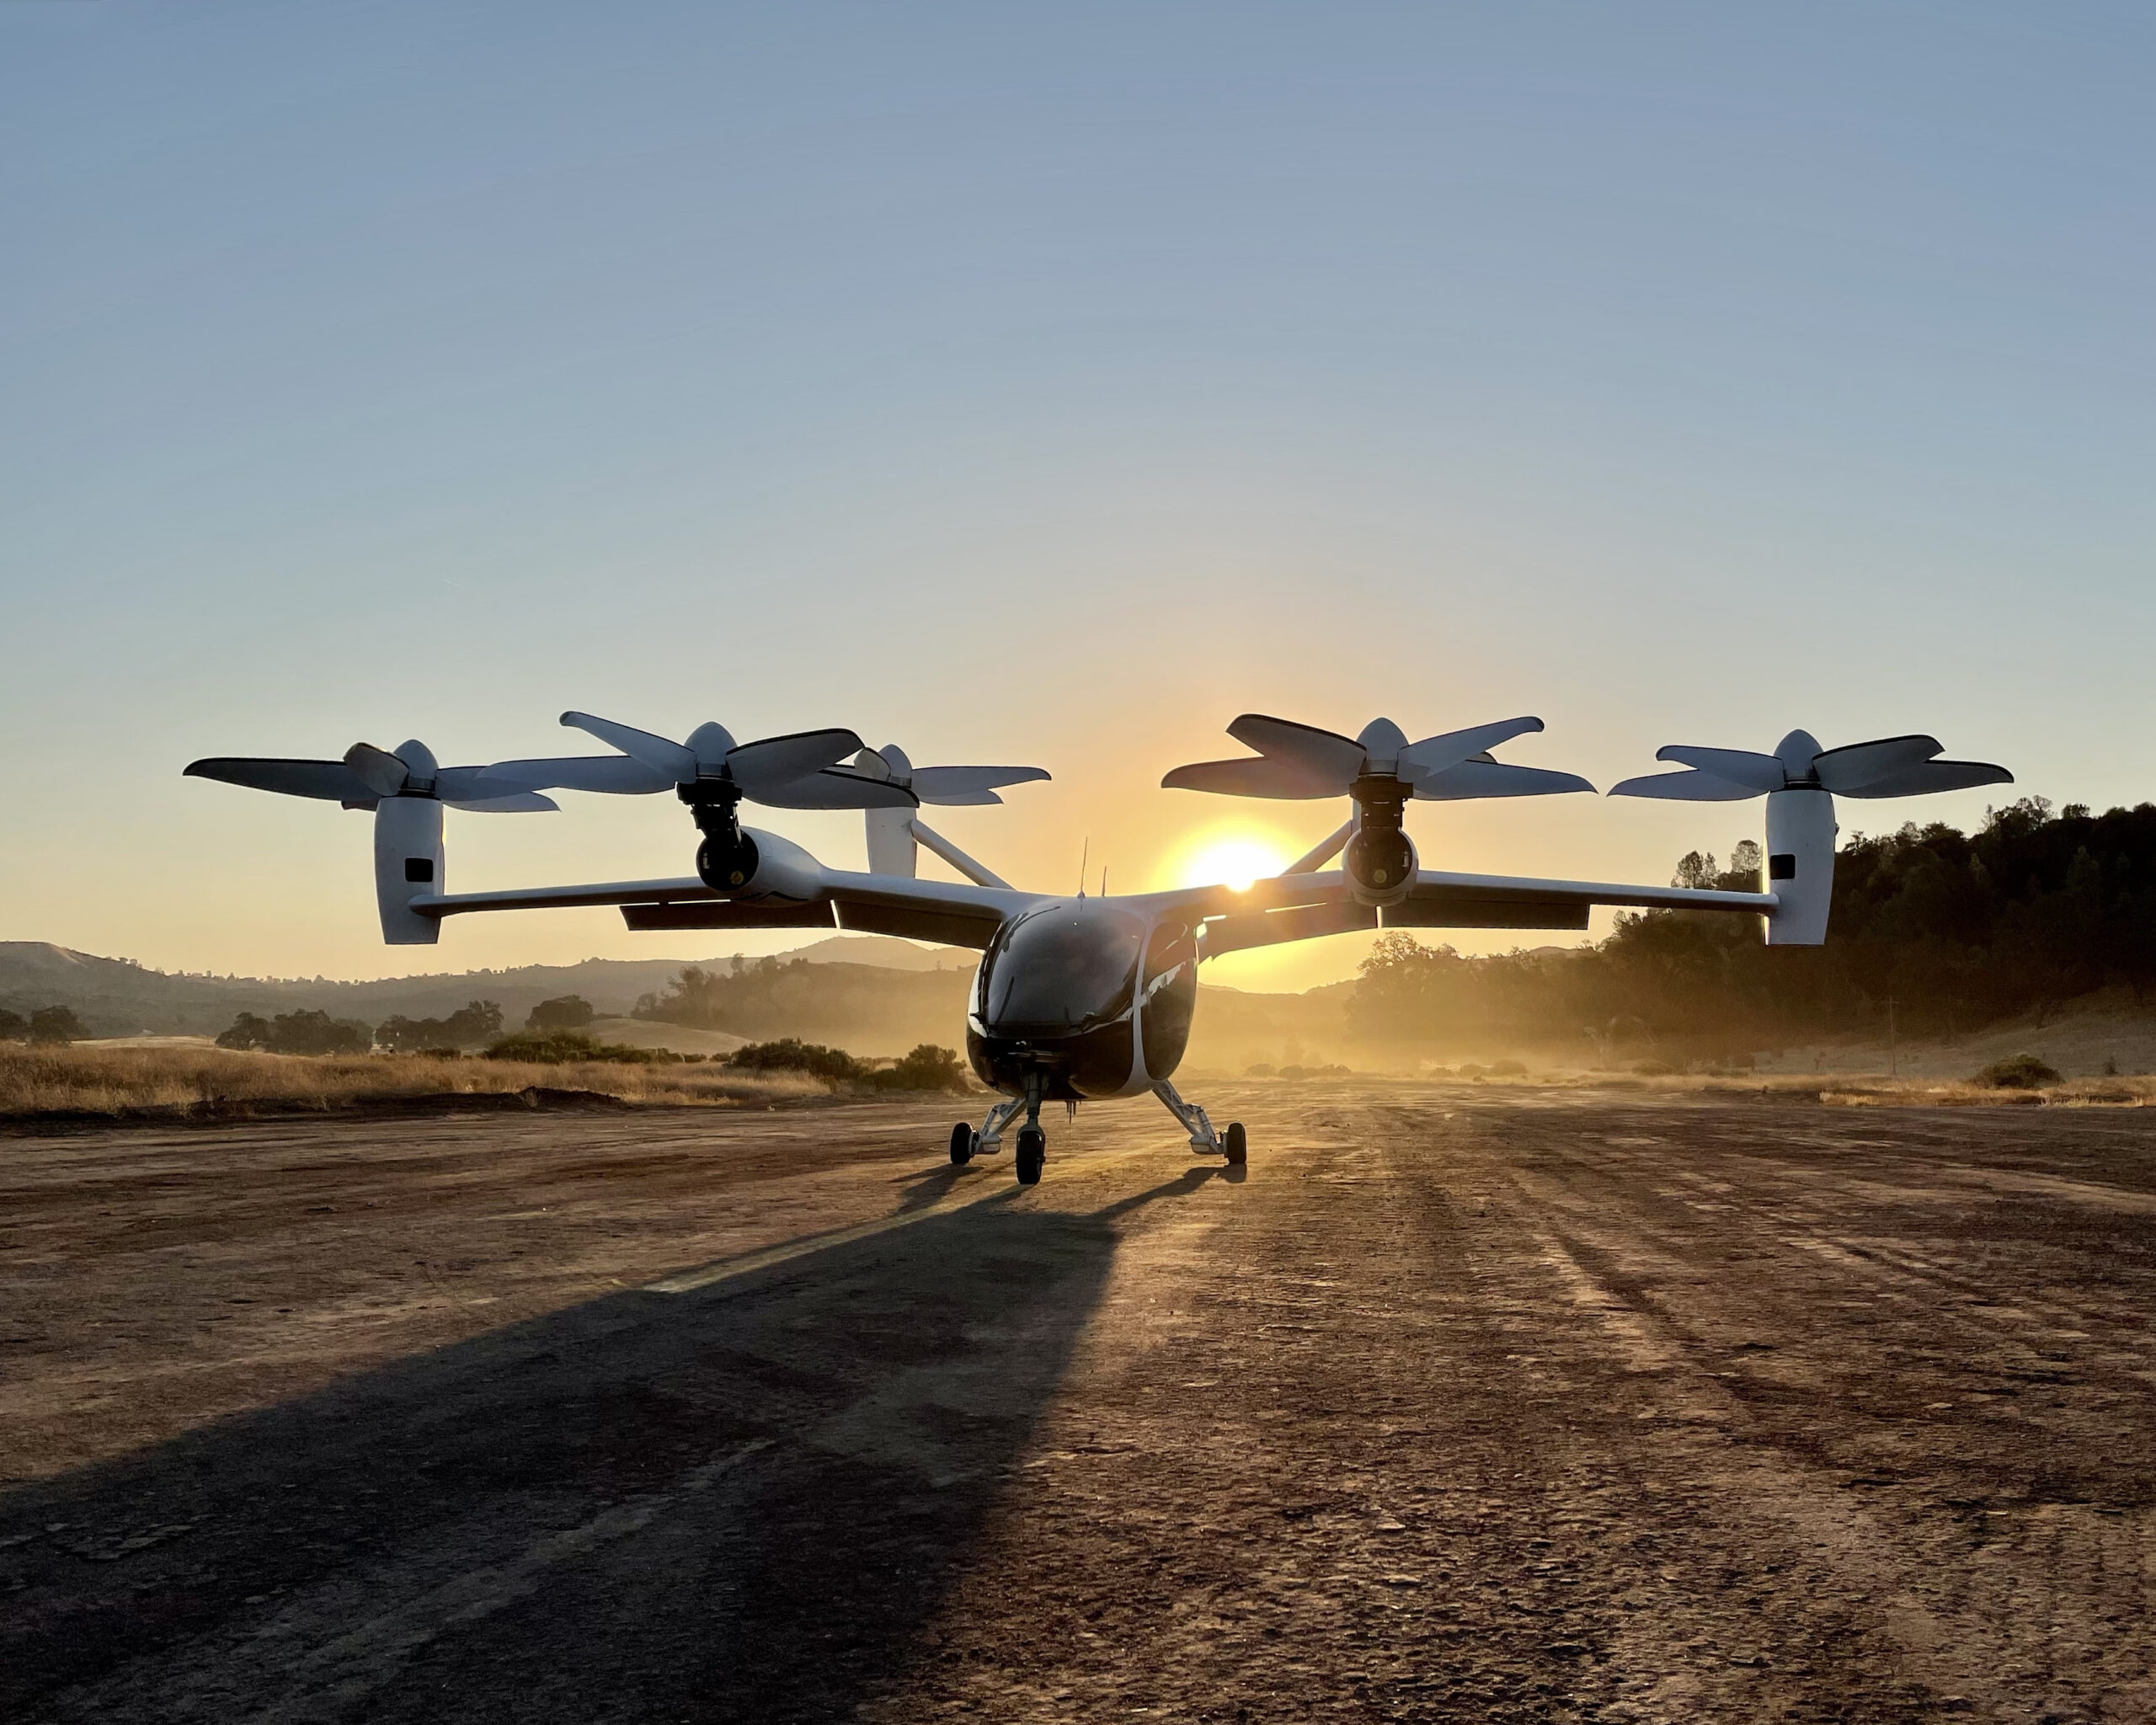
1031, 1156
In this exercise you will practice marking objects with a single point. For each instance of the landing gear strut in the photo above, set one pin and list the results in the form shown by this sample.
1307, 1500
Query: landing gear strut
1234, 1146
966, 1144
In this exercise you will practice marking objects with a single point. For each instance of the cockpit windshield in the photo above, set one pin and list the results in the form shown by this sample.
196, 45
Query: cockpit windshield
1064, 967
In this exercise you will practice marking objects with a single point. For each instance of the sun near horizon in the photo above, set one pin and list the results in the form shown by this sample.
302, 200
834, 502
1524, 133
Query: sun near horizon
1234, 858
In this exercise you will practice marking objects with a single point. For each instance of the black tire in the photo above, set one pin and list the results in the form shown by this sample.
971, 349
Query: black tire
1236, 1143
1032, 1155
962, 1144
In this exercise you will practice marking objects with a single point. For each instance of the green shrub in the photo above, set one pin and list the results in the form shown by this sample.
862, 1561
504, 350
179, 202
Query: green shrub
790, 1054
1508, 1069
51, 1024
2018, 1072
250, 1030
315, 1033
567, 1011
298, 1034
928, 1067
474, 1024
561, 1046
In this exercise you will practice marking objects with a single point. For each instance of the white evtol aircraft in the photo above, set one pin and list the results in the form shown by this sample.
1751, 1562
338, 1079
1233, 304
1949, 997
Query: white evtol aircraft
1079, 999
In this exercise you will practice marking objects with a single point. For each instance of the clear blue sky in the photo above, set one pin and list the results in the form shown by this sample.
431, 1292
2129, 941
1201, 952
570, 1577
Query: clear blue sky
1046, 385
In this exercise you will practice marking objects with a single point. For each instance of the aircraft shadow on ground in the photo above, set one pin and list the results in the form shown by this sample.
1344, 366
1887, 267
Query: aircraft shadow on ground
739, 1502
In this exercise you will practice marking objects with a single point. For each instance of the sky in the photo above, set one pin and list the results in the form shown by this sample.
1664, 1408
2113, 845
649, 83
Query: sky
1044, 385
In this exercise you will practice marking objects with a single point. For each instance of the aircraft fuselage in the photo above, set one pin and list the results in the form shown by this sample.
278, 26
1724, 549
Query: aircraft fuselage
1091, 998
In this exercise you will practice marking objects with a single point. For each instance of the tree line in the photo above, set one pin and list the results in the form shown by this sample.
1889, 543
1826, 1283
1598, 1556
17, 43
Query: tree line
782, 997
475, 1024
46, 1026
1942, 932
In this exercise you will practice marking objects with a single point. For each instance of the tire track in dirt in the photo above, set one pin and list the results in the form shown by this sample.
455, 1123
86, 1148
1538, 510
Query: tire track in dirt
1463, 1405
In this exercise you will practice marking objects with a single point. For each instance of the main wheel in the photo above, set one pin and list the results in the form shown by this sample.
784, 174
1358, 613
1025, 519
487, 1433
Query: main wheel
1032, 1155
1237, 1144
962, 1144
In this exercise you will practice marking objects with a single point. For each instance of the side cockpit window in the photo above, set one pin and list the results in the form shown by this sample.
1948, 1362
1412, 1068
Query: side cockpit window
1170, 995
1172, 948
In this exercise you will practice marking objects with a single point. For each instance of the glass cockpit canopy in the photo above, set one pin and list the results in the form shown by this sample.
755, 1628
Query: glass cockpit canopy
1062, 969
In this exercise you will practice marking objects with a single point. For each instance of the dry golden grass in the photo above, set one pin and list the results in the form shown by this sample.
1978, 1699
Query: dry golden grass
108, 1080
1843, 1089
1856, 1090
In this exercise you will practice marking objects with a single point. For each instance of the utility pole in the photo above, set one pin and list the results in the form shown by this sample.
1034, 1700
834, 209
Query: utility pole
1891, 1059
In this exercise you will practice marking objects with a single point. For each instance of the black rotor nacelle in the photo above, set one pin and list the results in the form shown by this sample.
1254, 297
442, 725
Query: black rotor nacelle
1381, 858
726, 859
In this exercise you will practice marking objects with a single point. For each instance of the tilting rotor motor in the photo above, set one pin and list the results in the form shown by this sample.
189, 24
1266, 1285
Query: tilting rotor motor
1381, 858
726, 856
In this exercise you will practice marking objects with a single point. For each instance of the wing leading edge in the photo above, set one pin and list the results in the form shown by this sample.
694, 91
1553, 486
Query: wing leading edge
1304, 907
951, 914
1289, 907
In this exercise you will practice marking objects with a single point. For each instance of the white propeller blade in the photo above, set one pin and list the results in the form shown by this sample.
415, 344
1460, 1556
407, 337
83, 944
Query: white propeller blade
1762, 772
1436, 754
1927, 776
1847, 770
513, 802
616, 774
969, 786
772, 762
1261, 776
380, 771
1319, 755
327, 781
474, 784
677, 762
836, 789
1494, 778
1686, 788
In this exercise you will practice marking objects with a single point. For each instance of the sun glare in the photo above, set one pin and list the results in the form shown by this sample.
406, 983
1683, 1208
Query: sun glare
1238, 861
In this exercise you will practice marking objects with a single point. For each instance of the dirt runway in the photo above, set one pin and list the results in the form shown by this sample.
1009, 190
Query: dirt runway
1465, 1404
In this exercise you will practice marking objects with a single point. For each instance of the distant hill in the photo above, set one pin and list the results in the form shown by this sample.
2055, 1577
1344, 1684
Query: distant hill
885, 953
863, 992
118, 997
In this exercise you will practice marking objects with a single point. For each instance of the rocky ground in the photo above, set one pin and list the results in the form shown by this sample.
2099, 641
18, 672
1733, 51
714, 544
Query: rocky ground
1462, 1405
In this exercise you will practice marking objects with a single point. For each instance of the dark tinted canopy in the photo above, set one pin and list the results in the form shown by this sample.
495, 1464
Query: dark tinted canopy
1066, 967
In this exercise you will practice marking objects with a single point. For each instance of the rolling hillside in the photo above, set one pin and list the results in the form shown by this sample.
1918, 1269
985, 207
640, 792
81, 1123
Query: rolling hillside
116, 997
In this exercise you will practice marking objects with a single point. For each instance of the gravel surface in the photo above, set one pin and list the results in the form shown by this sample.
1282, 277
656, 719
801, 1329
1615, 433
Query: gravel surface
1465, 1404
